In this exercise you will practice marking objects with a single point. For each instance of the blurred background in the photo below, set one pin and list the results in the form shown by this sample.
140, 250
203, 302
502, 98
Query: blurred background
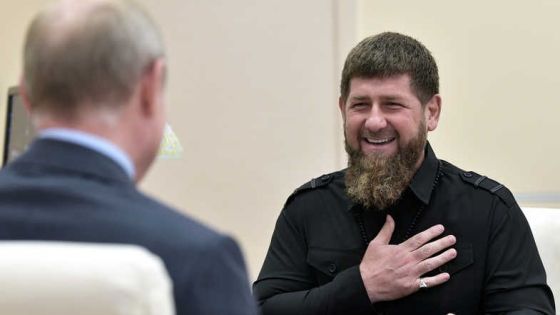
253, 89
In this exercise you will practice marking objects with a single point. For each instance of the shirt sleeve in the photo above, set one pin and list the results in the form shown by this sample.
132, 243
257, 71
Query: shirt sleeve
287, 285
514, 274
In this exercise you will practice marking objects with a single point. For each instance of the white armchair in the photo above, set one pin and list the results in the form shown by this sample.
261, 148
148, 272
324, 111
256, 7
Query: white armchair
63, 278
545, 225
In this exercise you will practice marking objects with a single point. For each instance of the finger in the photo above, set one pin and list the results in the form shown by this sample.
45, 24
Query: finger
384, 236
437, 261
423, 237
434, 247
434, 281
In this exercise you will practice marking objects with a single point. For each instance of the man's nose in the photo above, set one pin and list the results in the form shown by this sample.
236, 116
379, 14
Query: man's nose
376, 120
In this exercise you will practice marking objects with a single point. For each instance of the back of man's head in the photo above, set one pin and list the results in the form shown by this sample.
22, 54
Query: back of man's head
87, 52
388, 54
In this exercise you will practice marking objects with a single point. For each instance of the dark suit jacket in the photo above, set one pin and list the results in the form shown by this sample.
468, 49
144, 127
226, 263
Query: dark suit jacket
62, 191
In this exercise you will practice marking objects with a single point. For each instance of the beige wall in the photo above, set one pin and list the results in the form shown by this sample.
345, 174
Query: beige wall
14, 17
251, 96
498, 66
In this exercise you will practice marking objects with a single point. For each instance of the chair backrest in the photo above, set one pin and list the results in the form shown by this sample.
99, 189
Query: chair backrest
545, 225
63, 278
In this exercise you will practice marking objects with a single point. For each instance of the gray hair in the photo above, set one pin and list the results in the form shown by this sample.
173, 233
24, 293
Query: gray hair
96, 57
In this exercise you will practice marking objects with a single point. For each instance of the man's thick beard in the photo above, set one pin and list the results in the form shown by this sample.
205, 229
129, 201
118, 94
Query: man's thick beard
377, 181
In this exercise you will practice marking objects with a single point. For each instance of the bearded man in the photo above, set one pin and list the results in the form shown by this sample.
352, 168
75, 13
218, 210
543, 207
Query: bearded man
399, 231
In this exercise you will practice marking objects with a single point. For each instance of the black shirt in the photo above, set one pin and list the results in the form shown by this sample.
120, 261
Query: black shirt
320, 237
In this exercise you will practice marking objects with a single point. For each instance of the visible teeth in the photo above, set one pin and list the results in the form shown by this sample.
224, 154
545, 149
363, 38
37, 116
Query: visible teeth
379, 141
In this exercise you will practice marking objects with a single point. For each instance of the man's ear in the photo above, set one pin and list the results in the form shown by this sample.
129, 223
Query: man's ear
342, 107
151, 87
432, 111
22, 89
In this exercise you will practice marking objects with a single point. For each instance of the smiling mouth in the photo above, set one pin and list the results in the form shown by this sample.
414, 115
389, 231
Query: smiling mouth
379, 141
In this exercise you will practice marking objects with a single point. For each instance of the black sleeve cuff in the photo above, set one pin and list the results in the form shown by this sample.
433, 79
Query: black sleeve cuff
350, 292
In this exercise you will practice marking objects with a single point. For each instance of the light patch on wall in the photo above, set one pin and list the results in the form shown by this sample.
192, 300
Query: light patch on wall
170, 147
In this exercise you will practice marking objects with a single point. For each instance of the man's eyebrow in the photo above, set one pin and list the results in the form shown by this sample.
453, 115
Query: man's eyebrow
393, 98
359, 98
385, 98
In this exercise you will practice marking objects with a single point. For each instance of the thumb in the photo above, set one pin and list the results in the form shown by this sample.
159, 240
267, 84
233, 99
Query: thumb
384, 236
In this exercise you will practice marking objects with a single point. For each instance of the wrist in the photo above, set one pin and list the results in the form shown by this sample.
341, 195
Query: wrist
366, 279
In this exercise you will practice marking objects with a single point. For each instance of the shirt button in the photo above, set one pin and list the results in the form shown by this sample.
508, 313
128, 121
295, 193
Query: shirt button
332, 268
467, 174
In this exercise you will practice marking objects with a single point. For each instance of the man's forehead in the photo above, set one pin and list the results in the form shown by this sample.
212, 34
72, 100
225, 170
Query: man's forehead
396, 86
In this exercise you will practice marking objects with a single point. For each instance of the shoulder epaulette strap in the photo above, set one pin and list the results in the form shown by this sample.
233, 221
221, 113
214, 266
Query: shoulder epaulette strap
312, 184
480, 181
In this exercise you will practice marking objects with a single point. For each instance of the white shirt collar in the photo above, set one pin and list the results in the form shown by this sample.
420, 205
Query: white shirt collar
92, 142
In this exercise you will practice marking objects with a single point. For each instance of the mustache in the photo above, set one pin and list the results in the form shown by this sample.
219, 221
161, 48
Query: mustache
378, 134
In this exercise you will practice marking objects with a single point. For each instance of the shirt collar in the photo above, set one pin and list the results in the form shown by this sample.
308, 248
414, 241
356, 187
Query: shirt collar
423, 181
92, 142
421, 184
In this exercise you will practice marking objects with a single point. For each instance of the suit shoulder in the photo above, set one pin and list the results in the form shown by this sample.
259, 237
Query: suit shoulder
480, 182
315, 184
187, 241
177, 225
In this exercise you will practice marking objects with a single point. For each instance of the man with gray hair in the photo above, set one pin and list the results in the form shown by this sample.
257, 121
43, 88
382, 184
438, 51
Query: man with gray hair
399, 231
93, 81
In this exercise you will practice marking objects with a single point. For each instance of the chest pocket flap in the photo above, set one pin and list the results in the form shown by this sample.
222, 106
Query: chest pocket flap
465, 258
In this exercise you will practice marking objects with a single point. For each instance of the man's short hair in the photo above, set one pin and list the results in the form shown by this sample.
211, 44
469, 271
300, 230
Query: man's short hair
388, 54
96, 57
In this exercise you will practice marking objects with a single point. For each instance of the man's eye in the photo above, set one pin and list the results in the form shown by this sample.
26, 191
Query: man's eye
394, 105
359, 105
